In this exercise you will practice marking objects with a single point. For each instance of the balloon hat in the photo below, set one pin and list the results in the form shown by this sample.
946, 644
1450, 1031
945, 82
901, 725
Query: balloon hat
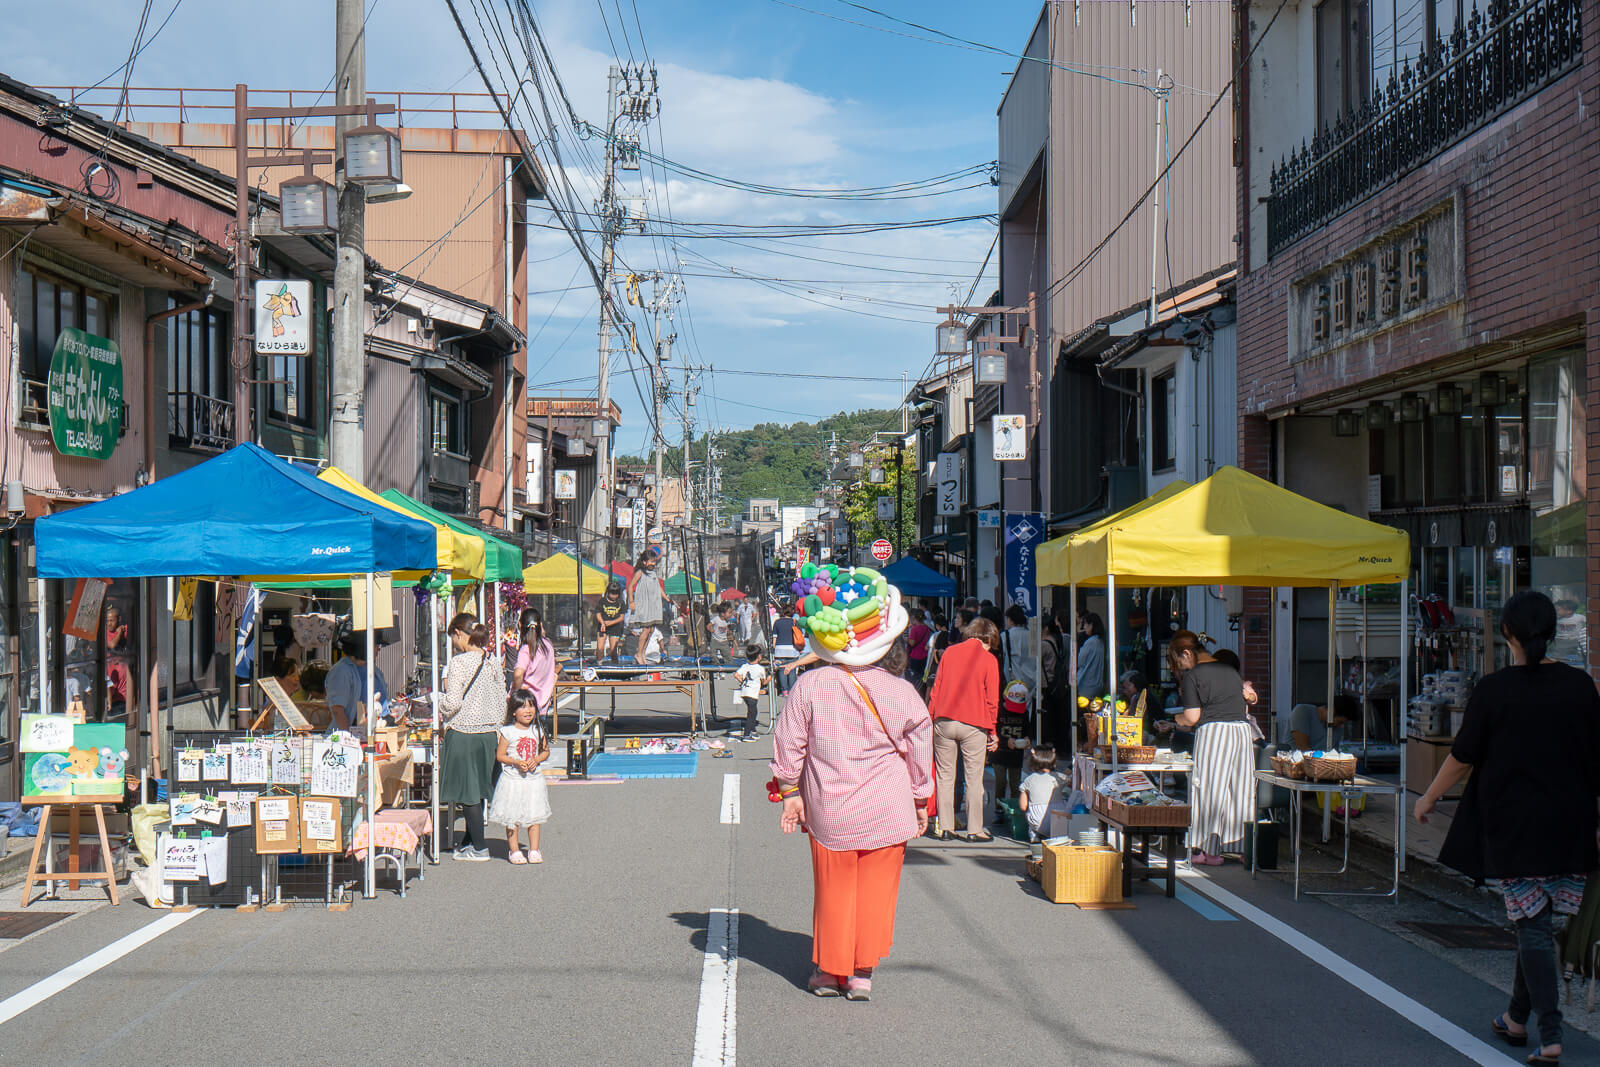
853, 614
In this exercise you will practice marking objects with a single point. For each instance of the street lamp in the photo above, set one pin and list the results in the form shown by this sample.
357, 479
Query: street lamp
952, 338
309, 205
876, 476
991, 367
372, 156
858, 458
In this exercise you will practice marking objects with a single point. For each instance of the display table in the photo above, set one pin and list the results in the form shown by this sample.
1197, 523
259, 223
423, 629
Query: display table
1171, 845
397, 834
1350, 790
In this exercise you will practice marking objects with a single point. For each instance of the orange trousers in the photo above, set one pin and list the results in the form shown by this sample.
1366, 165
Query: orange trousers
852, 919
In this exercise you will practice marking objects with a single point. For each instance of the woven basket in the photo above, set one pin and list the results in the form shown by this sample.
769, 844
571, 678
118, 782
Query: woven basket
1073, 874
1330, 769
1288, 768
1127, 753
1137, 815
1035, 869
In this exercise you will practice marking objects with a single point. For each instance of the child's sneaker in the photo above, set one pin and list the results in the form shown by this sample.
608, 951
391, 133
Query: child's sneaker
534, 856
750, 737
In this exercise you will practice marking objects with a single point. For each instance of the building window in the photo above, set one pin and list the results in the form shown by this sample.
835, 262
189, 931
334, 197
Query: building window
1344, 58
199, 379
445, 418
1163, 422
46, 305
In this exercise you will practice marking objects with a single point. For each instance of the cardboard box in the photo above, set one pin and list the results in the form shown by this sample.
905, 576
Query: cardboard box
394, 775
1076, 875
395, 737
1423, 760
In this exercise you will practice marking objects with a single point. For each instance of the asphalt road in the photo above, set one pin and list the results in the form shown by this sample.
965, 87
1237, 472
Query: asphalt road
598, 956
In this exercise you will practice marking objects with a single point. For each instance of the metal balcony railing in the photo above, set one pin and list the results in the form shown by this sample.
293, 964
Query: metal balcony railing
1457, 86
200, 422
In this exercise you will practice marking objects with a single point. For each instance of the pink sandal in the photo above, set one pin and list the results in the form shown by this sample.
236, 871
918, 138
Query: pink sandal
517, 856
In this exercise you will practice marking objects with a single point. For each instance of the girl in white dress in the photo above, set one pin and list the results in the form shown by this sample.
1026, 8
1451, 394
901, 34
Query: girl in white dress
521, 797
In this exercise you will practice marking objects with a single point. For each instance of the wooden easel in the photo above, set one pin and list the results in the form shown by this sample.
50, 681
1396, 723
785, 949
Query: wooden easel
73, 875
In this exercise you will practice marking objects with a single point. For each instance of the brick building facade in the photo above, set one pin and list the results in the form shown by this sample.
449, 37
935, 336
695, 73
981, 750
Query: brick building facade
1421, 279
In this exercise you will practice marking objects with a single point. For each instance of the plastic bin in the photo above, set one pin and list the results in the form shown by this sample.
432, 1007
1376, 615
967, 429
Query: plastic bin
1016, 818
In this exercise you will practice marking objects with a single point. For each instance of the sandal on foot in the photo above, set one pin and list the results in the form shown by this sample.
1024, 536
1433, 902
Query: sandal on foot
1503, 1032
858, 988
516, 856
978, 838
535, 856
823, 985
947, 835
1540, 1057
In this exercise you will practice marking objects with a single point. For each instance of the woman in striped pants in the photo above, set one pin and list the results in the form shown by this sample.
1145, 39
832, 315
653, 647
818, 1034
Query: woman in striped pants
1221, 787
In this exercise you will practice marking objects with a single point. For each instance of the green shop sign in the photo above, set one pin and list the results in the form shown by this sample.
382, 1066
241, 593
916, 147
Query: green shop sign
85, 395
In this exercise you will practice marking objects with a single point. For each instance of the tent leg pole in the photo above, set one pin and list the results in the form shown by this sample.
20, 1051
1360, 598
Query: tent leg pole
1111, 660
499, 632
43, 617
172, 678
1405, 701
1072, 662
370, 889
1333, 654
433, 697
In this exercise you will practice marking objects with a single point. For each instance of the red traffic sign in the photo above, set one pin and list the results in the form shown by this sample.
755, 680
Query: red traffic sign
882, 550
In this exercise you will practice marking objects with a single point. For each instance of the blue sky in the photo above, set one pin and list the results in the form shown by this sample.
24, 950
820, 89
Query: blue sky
753, 90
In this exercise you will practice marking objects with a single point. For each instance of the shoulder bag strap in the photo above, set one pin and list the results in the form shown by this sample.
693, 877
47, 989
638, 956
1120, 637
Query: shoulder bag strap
866, 696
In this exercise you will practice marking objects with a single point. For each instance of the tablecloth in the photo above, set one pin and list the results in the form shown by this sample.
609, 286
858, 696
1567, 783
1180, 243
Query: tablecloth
401, 829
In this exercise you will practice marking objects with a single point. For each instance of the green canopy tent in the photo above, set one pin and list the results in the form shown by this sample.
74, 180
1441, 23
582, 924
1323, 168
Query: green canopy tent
685, 584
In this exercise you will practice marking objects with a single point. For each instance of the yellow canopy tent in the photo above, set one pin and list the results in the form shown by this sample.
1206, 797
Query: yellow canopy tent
1234, 528
1051, 559
558, 575
460, 553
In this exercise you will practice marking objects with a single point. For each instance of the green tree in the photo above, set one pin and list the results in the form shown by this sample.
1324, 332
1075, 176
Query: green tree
861, 504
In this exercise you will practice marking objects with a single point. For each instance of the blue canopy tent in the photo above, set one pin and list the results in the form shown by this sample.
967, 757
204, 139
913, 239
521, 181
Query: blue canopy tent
918, 579
245, 513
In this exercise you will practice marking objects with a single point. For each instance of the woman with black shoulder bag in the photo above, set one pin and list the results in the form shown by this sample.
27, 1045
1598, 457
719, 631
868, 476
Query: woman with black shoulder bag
473, 704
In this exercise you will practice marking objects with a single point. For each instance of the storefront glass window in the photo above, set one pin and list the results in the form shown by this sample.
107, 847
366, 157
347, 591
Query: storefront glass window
28, 647
1444, 463
1506, 445
1465, 590
103, 673
1556, 476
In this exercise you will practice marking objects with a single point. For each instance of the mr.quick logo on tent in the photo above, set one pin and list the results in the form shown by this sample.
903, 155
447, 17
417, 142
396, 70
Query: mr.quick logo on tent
331, 550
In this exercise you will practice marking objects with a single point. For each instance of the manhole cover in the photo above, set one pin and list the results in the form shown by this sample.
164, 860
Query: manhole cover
1466, 935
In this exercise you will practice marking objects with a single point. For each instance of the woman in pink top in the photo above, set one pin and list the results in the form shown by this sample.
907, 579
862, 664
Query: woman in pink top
852, 755
536, 660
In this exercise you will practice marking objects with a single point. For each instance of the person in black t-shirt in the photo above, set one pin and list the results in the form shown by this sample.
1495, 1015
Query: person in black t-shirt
1530, 738
608, 618
1221, 788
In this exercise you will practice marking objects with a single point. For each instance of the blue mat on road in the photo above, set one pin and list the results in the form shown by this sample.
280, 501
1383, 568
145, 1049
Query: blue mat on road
646, 765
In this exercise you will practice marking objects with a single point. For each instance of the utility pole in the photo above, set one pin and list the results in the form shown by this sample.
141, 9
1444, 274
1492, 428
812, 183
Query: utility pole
688, 447
1163, 90
630, 98
347, 449
899, 497
661, 302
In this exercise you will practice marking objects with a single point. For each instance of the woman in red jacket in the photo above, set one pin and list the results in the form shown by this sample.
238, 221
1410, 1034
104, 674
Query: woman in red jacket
965, 700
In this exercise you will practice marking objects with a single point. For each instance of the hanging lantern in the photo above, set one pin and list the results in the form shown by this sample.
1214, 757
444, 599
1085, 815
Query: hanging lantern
372, 156
308, 205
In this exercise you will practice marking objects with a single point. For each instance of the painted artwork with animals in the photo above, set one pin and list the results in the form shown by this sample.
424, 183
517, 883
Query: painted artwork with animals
87, 763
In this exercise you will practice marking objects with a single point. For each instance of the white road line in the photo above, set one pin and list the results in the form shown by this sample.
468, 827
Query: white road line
716, 1027
46, 988
1417, 1014
730, 798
